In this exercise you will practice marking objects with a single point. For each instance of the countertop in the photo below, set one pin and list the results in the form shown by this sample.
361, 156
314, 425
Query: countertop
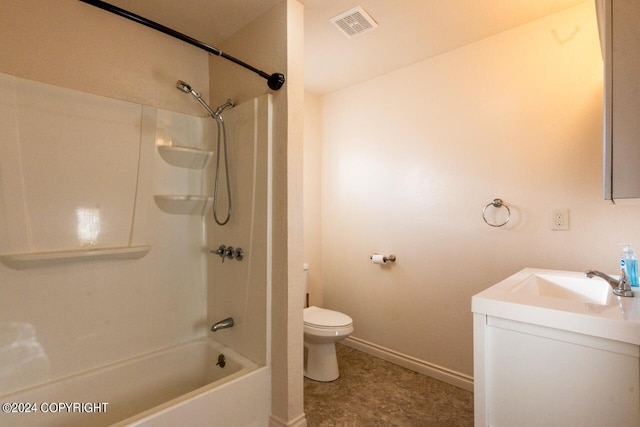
617, 319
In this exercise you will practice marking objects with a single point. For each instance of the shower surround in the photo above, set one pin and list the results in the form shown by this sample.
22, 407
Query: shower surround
94, 272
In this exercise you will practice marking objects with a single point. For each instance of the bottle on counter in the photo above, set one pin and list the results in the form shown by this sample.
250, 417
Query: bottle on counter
629, 263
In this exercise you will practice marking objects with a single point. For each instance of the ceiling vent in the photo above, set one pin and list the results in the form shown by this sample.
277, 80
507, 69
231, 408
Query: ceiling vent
354, 22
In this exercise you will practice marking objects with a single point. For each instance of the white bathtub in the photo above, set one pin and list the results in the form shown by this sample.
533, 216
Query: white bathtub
180, 385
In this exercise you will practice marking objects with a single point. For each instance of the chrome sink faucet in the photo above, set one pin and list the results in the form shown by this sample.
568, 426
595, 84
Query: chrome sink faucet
620, 286
223, 324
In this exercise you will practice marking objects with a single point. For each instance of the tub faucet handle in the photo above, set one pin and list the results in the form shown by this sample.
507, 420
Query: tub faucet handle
228, 253
221, 251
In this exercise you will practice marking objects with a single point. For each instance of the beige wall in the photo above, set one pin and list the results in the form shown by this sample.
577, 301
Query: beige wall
312, 184
71, 44
273, 43
411, 158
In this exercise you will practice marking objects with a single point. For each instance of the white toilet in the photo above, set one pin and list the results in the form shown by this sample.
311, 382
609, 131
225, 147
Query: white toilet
322, 330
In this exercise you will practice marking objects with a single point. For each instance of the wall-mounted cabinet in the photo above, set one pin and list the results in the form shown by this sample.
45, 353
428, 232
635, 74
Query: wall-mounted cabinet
620, 38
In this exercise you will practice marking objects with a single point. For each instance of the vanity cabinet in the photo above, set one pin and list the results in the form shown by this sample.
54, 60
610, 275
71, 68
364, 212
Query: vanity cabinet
620, 38
550, 349
528, 375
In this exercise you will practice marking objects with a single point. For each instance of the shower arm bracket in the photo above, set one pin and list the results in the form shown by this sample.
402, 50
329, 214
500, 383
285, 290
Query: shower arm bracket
275, 81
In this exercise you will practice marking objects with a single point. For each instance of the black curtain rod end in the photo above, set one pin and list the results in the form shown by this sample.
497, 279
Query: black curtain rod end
275, 81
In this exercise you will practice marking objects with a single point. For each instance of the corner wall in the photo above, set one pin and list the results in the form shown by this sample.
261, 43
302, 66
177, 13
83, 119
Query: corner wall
273, 43
312, 192
411, 158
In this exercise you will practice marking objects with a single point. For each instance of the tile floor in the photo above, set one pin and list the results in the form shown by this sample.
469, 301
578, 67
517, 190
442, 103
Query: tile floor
374, 392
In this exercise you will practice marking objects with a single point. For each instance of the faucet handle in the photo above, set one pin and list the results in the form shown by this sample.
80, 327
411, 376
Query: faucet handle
624, 280
228, 253
221, 251
623, 289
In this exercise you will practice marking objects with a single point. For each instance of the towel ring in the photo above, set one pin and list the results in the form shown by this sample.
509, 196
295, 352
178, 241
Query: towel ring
497, 203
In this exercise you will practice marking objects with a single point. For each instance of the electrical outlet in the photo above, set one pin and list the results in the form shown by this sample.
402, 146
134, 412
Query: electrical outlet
560, 219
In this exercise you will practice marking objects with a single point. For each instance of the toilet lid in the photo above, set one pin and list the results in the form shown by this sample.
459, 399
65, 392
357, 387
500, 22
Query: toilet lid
321, 317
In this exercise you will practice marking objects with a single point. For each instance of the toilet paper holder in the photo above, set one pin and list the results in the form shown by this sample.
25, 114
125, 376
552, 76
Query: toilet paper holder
389, 258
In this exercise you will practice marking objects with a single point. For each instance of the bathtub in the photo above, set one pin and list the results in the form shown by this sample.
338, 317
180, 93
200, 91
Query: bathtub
179, 385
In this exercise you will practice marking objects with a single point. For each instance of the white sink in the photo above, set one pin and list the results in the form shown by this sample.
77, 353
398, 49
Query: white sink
566, 300
581, 289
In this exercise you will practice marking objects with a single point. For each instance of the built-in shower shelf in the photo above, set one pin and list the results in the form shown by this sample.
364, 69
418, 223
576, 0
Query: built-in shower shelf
41, 259
183, 204
184, 157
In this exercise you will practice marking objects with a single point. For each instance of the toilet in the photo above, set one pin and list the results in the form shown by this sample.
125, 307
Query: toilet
322, 330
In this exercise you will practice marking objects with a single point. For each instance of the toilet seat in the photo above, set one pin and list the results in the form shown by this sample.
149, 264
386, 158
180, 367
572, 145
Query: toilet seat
322, 318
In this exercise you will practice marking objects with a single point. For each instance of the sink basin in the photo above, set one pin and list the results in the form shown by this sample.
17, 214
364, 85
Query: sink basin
566, 300
581, 289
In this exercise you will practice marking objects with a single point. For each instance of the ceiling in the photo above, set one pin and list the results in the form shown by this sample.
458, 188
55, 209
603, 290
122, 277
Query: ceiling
409, 30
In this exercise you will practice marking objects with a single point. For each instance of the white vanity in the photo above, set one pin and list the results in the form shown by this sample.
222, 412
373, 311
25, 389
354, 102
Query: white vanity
555, 348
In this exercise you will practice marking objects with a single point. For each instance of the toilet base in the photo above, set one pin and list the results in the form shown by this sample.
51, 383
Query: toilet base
322, 363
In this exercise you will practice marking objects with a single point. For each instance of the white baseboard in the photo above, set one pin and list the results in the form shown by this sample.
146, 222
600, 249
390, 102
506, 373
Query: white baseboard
448, 376
299, 421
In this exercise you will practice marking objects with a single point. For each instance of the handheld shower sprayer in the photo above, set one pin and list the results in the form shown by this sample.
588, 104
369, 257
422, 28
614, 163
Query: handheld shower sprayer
186, 88
183, 86
222, 135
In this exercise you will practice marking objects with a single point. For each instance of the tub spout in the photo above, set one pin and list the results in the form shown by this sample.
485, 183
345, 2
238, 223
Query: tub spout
223, 324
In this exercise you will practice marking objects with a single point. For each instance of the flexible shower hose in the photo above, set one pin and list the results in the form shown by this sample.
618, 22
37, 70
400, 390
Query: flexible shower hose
222, 134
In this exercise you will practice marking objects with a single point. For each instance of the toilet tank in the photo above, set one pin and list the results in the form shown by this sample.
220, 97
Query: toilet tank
305, 269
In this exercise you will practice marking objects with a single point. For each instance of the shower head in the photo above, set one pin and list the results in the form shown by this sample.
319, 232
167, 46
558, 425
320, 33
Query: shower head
183, 86
186, 88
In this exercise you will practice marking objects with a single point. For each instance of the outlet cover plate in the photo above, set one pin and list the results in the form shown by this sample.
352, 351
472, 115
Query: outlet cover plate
560, 219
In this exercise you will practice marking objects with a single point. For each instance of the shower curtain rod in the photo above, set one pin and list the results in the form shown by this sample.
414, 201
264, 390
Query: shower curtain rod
274, 81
